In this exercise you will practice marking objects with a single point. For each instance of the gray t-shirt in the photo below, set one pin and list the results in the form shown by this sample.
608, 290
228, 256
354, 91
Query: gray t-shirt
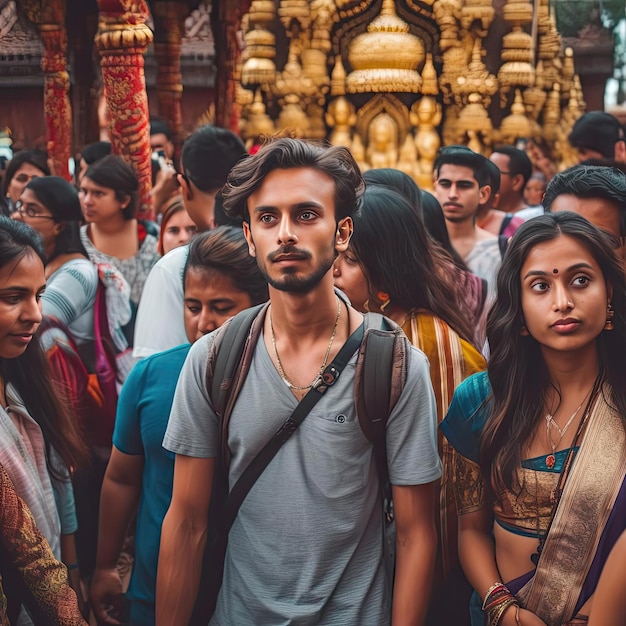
306, 547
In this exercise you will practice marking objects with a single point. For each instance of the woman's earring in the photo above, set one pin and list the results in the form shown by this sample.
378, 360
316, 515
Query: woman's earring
366, 306
609, 318
384, 299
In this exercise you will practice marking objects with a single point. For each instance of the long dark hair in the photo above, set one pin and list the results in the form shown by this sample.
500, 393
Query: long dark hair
61, 199
517, 372
224, 250
30, 373
398, 257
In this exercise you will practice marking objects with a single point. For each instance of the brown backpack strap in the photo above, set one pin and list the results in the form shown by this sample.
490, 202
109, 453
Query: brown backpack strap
228, 363
380, 376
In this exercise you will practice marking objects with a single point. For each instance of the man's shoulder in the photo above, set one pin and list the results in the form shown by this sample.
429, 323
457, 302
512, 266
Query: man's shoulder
173, 262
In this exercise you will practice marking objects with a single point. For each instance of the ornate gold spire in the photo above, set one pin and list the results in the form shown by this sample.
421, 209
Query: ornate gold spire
517, 124
385, 58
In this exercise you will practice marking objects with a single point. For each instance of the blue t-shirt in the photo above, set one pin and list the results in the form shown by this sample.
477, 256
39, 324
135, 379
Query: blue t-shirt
142, 413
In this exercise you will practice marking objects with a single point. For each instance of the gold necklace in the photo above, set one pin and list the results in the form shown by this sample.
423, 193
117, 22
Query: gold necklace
281, 371
550, 421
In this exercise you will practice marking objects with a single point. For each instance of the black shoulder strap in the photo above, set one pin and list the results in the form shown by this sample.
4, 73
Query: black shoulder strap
503, 243
256, 467
505, 222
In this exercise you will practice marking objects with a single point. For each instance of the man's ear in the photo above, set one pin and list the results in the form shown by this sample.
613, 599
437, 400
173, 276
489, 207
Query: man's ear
484, 193
518, 183
185, 187
620, 151
248, 236
345, 228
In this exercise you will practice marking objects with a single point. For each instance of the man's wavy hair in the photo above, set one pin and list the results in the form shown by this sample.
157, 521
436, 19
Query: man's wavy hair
517, 371
286, 153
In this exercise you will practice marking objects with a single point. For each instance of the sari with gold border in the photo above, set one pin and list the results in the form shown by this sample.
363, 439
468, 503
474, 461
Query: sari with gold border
452, 360
591, 514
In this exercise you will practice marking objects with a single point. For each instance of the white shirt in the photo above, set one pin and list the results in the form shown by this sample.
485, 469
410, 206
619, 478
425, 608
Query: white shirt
160, 324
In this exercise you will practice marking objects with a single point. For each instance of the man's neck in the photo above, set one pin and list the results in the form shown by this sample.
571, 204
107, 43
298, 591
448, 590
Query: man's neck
307, 313
512, 204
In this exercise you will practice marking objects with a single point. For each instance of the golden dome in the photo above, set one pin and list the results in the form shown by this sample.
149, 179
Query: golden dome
385, 58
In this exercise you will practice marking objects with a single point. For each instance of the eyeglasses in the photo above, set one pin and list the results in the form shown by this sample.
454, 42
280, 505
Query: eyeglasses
31, 211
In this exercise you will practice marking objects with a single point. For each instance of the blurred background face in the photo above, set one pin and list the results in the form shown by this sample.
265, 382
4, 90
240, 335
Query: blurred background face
177, 231
350, 278
210, 299
31, 211
22, 177
533, 192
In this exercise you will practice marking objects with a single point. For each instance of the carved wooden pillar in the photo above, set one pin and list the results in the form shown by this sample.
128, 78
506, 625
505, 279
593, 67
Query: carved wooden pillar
49, 16
169, 22
226, 20
122, 40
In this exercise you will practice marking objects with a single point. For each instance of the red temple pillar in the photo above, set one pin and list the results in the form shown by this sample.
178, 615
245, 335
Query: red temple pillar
122, 40
169, 23
49, 17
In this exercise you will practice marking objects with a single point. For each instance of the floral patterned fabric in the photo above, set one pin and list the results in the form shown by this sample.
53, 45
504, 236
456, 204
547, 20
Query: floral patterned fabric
135, 269
25, 554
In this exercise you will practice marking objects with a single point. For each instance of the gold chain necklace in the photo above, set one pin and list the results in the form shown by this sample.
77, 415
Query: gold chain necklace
550, 422
281, 371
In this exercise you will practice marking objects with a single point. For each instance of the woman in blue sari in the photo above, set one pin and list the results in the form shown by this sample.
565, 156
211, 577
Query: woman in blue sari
539, 439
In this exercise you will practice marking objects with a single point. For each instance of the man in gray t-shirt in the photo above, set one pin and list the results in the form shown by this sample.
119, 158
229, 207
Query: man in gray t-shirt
306, 546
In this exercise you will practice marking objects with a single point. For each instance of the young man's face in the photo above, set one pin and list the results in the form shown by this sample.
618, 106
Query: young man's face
458, 192
601, 212
292, 230
508, 182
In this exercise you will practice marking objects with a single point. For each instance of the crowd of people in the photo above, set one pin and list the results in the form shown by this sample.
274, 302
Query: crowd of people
303, 395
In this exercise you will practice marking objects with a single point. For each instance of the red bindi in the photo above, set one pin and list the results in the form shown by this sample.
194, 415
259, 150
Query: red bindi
555, 271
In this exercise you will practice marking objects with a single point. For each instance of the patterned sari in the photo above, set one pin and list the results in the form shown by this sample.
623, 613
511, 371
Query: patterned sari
452, 360
590, 516
28, 565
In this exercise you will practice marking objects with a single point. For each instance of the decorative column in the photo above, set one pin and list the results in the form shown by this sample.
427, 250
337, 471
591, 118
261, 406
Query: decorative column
49, 17
225, 22
169, 23
122, 40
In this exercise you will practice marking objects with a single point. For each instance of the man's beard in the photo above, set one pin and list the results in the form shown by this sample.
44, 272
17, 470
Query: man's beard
293, 283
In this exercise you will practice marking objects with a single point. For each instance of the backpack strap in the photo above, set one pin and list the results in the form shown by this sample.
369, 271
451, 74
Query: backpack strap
381, 372
228, 363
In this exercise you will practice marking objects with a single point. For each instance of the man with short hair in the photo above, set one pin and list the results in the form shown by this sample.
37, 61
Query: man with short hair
597, 193
515, 171
489, 217
461, 186
598, 135
306, 546
207, 157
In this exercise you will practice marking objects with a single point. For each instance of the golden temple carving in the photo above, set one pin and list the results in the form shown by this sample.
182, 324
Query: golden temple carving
394, 81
